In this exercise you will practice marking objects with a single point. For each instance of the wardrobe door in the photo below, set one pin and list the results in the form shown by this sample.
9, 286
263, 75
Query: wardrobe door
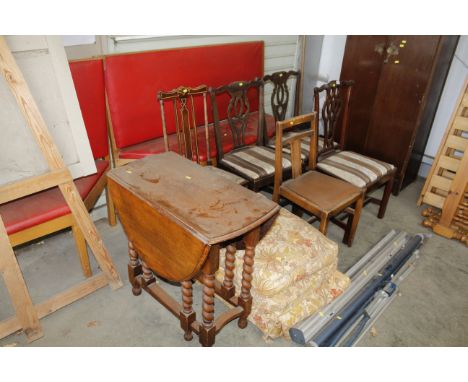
362, 62
446, 51
399, 100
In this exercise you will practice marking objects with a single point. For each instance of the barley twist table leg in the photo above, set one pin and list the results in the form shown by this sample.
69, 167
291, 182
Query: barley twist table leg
187, 315
229, 267
208, 330
148, 276
245, 298
208, 300
134, 269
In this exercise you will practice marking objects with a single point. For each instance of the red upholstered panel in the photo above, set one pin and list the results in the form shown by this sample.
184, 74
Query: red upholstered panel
133, 80
88, 77
46, 205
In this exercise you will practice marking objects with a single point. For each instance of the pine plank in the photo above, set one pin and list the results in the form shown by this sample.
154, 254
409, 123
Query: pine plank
457, 142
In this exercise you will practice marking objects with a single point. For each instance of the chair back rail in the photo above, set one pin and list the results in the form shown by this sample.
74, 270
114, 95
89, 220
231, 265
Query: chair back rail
183, 100
238, 112
280, 95
333, 110
286, 134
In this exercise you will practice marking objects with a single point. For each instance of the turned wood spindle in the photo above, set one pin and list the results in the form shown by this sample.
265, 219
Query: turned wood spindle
247, 271
187, 315
134, 269
147, 273
208, 300
229, 266
245, 298
134, 260
187, 296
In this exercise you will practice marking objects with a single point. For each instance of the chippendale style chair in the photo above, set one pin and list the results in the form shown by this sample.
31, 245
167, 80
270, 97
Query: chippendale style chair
280, 95
319, 194
240, 136
362, 171
191, 140
279, 103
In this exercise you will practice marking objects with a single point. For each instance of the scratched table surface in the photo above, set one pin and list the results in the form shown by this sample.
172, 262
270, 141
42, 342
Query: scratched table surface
210, 207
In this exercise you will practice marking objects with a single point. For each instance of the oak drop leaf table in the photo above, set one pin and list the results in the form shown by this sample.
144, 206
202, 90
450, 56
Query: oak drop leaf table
177, 216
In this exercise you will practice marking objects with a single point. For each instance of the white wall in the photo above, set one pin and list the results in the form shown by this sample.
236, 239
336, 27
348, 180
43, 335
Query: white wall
331, 60
324, 58
456, 78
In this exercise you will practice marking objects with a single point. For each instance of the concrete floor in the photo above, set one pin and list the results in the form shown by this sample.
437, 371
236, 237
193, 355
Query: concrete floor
431, 311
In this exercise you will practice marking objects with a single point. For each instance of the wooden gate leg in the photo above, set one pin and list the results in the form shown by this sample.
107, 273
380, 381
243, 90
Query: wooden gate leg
187, 315
208, 329
229, 267
245, 298
16, 286
134, 269
148, 276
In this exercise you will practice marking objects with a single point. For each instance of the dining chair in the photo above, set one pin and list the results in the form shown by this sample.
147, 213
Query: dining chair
190, 139
323, 196
240, 134
331, 103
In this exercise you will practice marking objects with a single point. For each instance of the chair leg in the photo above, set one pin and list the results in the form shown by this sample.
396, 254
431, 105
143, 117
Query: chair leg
82, 250
297, 211
353, 222
386, 197
323, 223
111, 217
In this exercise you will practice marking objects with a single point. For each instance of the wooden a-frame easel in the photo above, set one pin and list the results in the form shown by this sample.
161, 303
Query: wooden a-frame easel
28, 315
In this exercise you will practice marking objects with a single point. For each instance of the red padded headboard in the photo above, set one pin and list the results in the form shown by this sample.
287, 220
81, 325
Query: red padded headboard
133, 80
88, 77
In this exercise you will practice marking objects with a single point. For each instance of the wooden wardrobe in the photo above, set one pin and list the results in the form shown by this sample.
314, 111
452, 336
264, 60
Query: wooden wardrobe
398, 84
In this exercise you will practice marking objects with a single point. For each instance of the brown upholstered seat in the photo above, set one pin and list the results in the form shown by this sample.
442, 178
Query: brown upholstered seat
319, 194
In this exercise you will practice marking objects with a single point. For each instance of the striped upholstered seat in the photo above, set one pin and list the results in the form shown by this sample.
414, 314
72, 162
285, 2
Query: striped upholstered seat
354, 168
253, 162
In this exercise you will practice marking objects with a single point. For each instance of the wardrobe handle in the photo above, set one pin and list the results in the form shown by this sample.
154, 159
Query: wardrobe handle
392, 50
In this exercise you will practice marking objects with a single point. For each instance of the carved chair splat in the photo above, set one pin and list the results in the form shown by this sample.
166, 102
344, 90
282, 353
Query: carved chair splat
280, 95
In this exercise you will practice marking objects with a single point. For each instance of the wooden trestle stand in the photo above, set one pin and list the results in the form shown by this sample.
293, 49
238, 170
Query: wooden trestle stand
177, 215
28, 315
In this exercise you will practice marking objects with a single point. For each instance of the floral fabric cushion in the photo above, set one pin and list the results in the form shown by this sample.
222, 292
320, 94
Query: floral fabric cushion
295, 273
